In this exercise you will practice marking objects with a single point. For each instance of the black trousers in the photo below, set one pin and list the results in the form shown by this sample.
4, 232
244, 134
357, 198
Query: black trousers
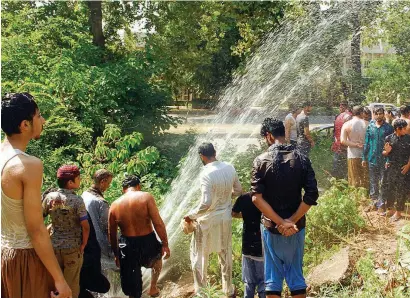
395, 187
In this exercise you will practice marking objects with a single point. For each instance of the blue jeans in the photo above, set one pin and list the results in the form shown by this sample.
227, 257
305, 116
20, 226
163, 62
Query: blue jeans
376, 173
284, 261
253, 277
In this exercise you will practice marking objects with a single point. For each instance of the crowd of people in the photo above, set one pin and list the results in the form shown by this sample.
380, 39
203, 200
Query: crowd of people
64, 259
373, 152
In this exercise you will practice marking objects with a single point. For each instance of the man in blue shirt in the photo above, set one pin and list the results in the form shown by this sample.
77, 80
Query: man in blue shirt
376, 133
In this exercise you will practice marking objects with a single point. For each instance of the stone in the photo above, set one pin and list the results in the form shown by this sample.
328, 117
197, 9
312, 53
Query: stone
332, 270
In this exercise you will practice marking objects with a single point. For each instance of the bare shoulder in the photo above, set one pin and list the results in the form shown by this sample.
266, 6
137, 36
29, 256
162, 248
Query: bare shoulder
146, 196
31, 163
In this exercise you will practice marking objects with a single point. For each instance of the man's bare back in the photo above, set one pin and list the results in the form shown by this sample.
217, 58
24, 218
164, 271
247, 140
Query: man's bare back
132, 213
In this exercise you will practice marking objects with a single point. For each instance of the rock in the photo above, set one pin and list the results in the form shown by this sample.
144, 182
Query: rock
332, 270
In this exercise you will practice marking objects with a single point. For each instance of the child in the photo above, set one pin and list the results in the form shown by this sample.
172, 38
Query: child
252, 258
397, 176
69, 224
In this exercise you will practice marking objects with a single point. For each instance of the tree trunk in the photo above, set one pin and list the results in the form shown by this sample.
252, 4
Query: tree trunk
356, 62
95, 20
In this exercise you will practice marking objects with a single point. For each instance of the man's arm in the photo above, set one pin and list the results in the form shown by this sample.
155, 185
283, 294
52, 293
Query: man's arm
311, 193
206, 198
112, 228
366, 146
103, 223
237, 187
237, 208
85, 226
159, 225
287, 130
308, 135
33, 216
267, 211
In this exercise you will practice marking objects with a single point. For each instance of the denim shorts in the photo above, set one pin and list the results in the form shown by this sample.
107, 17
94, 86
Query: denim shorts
283, 261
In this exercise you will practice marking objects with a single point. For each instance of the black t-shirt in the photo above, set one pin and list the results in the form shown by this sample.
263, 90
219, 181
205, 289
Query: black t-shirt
400, 152
251, 235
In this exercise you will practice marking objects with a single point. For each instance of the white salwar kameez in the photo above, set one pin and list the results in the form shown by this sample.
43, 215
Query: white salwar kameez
213, 231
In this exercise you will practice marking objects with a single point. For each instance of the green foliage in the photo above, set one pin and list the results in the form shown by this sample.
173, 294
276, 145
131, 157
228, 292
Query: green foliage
337, 213
47, 51
119, 154
390, 75
198, 45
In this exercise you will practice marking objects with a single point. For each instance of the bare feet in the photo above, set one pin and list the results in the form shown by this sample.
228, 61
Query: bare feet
154, 292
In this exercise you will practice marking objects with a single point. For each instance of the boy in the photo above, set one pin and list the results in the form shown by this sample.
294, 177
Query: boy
397, 176
252, 258
69, 224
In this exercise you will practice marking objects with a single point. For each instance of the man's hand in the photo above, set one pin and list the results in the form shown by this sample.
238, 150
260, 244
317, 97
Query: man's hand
387, 148
166, 252
405, 169
387, 165
312, 143
364, 163
359, 145
82, 247
187, 219
117, 261
62, 290
287, 228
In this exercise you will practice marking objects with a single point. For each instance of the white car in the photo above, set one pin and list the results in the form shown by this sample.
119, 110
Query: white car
385, 106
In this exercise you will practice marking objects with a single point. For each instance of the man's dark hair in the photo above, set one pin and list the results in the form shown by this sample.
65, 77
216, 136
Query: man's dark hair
207, 149
344, 103
399, 123
293, 108
357, 110
62, 182
131, 181
379, 110
404, 110
306, 104
274, 126
15, 108
100, 175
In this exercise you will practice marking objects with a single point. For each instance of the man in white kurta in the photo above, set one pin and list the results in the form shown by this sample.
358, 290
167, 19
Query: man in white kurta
213, 232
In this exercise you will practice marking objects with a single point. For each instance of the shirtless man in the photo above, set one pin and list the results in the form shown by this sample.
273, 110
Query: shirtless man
27, 256
405, 115
353, 136
137, 215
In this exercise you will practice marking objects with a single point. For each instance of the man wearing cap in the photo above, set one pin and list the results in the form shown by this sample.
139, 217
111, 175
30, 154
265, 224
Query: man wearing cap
69, 224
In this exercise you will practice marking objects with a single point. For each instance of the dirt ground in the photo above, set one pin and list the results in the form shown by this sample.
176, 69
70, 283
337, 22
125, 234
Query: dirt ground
379, 238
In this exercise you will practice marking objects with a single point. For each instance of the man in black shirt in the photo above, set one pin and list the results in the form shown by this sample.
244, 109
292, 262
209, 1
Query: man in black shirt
278, 177
252, 258
396, 181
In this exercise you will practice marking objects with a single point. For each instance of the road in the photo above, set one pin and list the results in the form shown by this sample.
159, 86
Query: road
204, 124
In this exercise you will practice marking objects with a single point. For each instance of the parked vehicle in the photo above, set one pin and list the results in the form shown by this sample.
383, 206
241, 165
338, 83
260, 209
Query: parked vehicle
385, 106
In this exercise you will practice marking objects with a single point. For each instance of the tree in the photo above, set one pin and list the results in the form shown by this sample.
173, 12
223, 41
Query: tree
96, 22
198, 45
